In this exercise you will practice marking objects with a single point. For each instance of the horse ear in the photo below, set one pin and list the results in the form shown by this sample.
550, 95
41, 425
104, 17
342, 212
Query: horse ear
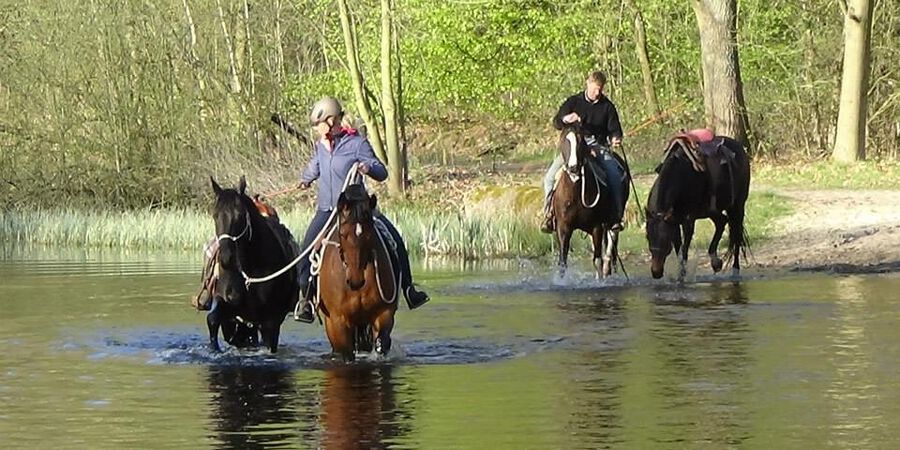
373, 201
342, 201
242, 185
216, 188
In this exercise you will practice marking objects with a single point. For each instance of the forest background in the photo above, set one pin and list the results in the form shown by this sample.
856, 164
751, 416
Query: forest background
132, 105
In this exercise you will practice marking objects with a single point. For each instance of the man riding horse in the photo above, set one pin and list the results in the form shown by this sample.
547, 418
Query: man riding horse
336, 152
599, 119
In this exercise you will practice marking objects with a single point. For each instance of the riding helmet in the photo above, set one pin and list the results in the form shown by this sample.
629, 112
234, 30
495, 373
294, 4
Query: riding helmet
325, 108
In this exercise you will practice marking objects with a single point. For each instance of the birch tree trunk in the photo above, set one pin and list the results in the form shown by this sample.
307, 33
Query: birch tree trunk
356, 78
850, 140
723, 91
640, 47
388, 105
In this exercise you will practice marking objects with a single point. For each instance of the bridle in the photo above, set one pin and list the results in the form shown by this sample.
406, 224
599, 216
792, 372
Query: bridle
247, 230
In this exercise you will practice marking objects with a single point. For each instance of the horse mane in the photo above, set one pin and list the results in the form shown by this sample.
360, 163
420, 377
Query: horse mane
356, 200
666, 188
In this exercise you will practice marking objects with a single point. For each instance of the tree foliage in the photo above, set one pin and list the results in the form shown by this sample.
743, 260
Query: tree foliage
111, 101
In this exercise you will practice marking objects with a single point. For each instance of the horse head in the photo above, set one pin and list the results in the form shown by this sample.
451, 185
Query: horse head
231, 214
572, 148
661, 235
356, 233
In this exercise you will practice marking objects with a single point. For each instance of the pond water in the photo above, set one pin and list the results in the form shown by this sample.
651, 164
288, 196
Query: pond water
102, 350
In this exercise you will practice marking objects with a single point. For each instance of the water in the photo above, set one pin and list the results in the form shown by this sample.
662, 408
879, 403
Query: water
103, 351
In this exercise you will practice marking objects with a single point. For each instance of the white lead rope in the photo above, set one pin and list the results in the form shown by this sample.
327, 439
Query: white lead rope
250, 280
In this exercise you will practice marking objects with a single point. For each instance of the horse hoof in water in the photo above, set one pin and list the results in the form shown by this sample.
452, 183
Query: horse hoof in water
735, 274
716, 264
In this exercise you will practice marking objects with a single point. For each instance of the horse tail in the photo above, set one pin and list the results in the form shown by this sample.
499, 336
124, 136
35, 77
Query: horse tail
362, 339
738, 238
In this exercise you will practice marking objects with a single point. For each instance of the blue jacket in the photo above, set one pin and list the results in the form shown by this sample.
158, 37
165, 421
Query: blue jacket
331, 167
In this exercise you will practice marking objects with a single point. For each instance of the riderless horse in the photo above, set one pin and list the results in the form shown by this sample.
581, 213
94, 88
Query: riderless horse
701, 176
250, 245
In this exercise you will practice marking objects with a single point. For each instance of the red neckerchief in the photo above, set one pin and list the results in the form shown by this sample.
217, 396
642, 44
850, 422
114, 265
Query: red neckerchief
332, 138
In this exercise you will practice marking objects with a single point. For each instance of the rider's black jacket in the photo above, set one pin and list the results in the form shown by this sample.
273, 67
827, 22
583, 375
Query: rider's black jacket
599, 118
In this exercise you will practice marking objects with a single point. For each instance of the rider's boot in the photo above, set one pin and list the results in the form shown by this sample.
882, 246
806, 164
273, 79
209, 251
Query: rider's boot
548, 226
303, 312
415, 298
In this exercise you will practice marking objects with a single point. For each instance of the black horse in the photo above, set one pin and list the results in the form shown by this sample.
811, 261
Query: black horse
581, 202
698, 180
249, 246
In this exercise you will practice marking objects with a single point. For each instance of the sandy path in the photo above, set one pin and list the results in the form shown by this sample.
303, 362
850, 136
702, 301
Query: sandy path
839, 230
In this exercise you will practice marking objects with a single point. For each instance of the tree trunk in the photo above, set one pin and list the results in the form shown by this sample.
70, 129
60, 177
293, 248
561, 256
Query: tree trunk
850, 141
640, 46
234, 80
388, 105
723, 92
401, 109
356, 78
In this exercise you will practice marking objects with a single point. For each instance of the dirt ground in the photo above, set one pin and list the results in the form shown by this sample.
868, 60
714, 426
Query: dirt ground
843, 231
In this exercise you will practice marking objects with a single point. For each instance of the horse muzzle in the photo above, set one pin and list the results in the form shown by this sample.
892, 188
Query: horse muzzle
657, 267
356, 284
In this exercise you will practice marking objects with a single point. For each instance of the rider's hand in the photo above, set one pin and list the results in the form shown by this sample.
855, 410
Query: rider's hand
303, 185
571, 118
363, 168
615, 141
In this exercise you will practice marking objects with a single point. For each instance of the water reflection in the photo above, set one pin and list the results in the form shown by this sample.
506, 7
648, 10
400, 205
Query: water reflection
360, 409
595, 391
701, 339
250, 407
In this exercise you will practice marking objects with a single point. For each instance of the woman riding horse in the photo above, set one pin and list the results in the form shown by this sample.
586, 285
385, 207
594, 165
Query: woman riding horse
337, 151
357, 285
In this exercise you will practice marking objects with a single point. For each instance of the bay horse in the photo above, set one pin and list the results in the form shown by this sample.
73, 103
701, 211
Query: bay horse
249, 246
579, 202
705, 177
357, 285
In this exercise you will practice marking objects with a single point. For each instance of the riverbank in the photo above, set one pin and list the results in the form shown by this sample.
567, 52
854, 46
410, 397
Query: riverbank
473, 213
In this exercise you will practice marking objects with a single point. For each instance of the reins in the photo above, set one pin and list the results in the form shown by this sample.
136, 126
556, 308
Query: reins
307, 251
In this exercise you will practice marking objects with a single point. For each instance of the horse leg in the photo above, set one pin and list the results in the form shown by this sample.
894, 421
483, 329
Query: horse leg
736, 241
341, 337
270, 331
714, 261
564, 235
611, 252
688, 228
598, 260
381, 329
213, 321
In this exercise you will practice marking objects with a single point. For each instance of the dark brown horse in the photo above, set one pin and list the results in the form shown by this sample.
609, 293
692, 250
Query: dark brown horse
711, 181
358, 288
580, 202
249, 247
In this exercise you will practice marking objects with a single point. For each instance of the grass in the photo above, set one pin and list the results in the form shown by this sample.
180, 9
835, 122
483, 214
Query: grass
827, 174
497, 221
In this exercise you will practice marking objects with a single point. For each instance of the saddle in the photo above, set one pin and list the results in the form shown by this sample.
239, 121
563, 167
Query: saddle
707, 153
701, 147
